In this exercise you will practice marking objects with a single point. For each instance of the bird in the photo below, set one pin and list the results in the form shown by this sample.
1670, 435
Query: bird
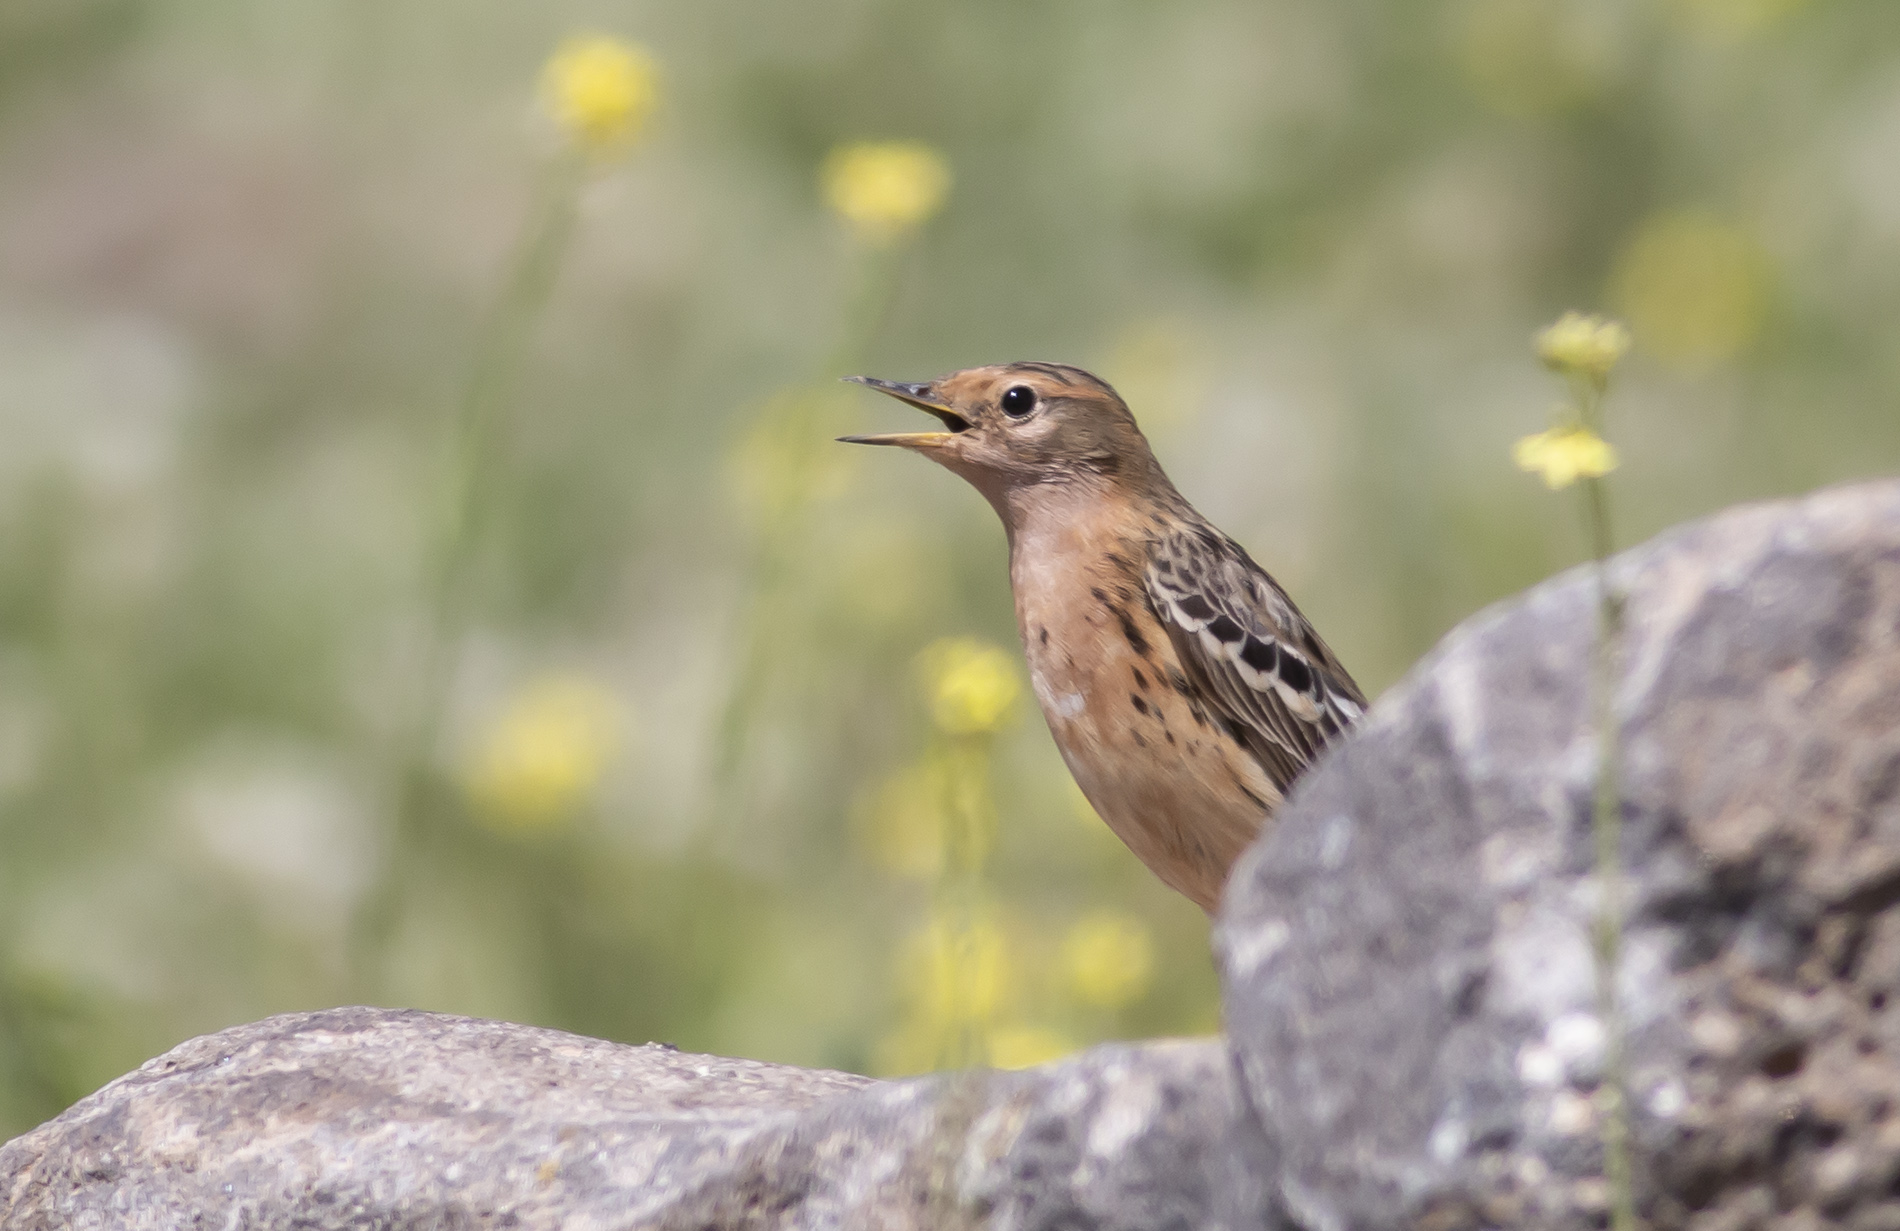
1184, 689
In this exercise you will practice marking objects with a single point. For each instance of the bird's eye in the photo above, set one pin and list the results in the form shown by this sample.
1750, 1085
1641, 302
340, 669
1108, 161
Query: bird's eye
1018, 400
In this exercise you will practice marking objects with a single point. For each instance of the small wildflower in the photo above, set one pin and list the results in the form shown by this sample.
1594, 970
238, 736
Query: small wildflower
1589, 345
1109, 959
972, 685
1698, 286
1024, 1047
885, 188
959, 970
958, 979
545, 753
600, 90
901, 822
1563, 455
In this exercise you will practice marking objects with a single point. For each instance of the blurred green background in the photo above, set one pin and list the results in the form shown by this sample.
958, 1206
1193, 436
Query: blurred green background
661, 763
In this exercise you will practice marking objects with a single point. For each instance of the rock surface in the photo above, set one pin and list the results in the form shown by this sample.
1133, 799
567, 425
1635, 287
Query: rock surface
372, 1118
1410, 983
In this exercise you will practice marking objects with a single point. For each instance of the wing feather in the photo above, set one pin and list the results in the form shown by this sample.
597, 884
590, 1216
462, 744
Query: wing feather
1263, 670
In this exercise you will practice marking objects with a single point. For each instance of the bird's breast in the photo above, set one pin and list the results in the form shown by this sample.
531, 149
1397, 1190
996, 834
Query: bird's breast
1153, 761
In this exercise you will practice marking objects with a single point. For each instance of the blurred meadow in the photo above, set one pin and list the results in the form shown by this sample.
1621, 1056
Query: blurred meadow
426, 576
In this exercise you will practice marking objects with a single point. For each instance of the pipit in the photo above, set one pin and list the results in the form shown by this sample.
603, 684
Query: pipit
1182, 686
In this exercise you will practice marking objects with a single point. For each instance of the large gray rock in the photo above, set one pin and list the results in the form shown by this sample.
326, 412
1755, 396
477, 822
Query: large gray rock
1410, 986
372, 1118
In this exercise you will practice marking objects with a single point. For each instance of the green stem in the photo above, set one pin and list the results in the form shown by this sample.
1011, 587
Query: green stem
1607, 827
493, 381
481, 414
959, 890
771, 570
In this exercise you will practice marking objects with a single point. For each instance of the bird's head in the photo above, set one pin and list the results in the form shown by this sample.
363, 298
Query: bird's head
1016, 426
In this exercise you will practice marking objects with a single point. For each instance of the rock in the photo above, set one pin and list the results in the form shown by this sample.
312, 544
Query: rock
1409, 978
359, 1118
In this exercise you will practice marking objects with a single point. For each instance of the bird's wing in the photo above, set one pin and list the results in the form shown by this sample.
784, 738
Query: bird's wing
1257, 660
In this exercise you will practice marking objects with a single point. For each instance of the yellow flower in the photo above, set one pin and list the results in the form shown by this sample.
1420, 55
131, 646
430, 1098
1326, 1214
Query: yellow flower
1024, 1047
972, 685
546, 753
1729, 20
1528, 57
885, 188
957, 977
901, 823
600, 90
959, 971
1586, 344
1698, 287
1563, 455
1109, 958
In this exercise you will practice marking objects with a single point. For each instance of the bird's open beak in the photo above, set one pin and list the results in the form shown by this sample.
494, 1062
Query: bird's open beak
917, 396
